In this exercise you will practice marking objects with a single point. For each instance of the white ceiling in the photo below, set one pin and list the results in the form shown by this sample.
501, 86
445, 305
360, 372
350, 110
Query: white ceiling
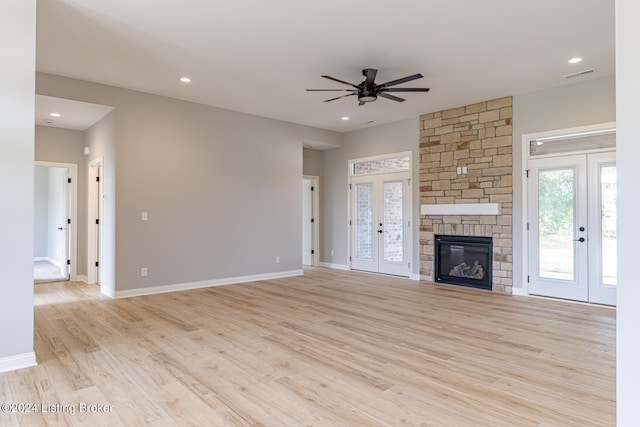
73, 114
259, 56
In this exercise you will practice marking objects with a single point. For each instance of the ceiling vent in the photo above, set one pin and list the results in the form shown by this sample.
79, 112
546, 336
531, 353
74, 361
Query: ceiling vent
580, 73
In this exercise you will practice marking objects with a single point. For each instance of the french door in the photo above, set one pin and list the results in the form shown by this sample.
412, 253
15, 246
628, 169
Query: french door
380, 223
572, 227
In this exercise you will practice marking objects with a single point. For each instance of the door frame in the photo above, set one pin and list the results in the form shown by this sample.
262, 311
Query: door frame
315, 213
72, 206
526, 139
408, 205
93, 212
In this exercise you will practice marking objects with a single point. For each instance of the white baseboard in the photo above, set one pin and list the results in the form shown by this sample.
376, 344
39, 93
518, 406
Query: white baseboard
415, 277
81, 278
519, 292
18, 362
334, 266
41, 258
198, 285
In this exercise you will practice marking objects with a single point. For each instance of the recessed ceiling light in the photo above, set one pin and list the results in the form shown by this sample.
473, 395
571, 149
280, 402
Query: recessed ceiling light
49, 121
345, 118
575, 60
185, 79
55, 114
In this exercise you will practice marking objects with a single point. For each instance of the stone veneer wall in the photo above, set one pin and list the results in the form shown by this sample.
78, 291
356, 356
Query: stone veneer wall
477, 136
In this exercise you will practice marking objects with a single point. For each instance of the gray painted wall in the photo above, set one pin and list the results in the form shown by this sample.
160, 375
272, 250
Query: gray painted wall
389, 138
312, 162
17, 104
579, 104
66, 146
41, 212
222, 188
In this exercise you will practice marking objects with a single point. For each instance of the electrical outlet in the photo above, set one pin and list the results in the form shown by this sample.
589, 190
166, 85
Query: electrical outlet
143, 271
144, 216
277, 260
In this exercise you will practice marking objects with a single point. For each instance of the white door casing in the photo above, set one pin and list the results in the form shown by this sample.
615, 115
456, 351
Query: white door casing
380, 218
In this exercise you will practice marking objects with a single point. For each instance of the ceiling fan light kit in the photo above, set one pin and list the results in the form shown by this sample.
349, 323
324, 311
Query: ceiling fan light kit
368, 90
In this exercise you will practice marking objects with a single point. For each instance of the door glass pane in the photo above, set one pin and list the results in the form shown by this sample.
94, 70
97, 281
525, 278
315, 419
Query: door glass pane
393, 220
396, 164
608, 196
364, 221
556, 216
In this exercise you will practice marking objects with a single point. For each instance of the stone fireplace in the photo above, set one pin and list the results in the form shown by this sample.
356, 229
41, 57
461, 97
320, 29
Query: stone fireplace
466, 184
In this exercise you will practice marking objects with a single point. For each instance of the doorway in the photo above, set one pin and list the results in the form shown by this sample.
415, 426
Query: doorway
572, 222
380, 214
55, 222
310, 223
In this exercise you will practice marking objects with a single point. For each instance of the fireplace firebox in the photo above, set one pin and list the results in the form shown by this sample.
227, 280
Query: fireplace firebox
463, 260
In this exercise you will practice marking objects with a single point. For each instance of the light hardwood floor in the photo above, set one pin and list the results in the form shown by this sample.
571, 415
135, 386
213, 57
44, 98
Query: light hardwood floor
330, 348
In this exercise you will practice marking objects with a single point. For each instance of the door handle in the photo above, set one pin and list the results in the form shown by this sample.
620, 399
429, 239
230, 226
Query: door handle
60, 228
380, 231
579, 240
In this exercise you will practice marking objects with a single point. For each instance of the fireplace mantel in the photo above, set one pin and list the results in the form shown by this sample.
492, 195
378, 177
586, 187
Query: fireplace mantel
461, 209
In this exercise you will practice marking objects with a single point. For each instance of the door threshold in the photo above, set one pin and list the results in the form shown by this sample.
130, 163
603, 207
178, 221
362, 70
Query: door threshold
570, 301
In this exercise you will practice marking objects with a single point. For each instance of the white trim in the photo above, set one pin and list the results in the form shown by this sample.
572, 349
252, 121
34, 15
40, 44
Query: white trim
415, 277
82, 278
519, 292
407, 208
526, 138
73, 212
461, 209
41, 258
92, 212
19, 361
316, 218
335, 266
198, 285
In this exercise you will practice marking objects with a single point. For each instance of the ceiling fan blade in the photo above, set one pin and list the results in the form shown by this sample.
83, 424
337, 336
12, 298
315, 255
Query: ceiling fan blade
339, 81
393, 98
402, 80
370, 74
361, 103
338, 97
329, 90
406, 89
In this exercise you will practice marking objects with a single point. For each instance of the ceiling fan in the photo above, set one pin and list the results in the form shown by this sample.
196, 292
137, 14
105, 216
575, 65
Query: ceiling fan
368, 90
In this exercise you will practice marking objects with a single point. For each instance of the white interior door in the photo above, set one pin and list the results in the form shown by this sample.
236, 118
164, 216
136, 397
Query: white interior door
307, 222
572, 227
380, 223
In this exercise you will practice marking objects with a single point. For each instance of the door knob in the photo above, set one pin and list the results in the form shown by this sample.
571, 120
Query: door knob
60, 228
380, 231
579, 240
581, 229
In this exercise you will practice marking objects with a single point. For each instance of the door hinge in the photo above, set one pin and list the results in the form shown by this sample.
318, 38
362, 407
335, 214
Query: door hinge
409, 224
68, 262
350, 259
97, 179
349, 222
527, 226
68, 220
312, 188
349, 186
313, 252
69, 180
527, 171
313, 220
97, 221
97, 264
527, 279
409, 265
